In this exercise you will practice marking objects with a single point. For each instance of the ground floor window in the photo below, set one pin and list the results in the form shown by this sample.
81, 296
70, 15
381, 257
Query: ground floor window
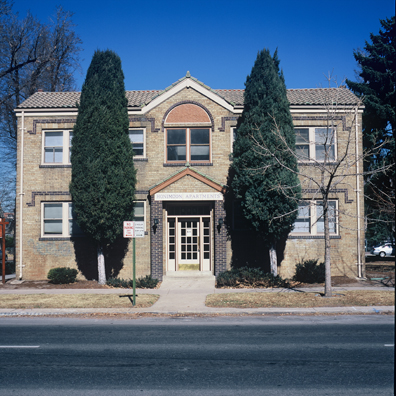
310, 219
57, 220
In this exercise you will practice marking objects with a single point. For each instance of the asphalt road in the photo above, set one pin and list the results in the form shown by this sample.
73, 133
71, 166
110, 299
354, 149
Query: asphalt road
329, 355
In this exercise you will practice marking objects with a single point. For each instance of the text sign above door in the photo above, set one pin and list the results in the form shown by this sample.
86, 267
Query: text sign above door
215, 196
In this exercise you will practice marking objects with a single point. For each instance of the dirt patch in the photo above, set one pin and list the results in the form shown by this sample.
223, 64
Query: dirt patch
31, 301
45, 284
301, 299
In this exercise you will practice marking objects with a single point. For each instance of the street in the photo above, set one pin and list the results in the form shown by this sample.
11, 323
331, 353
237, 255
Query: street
283, 355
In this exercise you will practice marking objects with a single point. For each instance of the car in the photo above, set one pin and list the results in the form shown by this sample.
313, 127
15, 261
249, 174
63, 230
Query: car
1, 256
386, 249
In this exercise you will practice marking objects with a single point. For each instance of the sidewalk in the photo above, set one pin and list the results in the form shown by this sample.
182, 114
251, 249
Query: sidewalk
187, 296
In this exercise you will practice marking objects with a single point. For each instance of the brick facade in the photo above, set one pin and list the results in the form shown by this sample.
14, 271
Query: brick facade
186, 104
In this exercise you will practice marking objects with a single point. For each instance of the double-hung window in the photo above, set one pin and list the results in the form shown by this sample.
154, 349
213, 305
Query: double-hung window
188, 145
57, 220
137, 137
310, 219
139, 212
316, 144
57, 147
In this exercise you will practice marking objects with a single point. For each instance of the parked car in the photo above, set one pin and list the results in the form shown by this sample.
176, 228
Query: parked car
1, 256
386, 249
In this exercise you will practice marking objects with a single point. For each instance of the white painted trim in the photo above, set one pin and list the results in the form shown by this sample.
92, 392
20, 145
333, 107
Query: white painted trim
187, 83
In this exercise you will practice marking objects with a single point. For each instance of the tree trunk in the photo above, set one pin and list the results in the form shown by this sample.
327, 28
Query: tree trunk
328, 290
273, 260
101, 266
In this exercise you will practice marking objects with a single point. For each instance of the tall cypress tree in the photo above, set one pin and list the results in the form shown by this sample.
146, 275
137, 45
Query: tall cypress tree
103, 175
377, 87
269, 192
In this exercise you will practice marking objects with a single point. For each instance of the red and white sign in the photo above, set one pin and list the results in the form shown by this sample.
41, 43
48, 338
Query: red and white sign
133, 229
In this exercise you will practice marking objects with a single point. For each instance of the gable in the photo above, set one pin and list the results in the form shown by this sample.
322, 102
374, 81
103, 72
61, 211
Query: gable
187, 179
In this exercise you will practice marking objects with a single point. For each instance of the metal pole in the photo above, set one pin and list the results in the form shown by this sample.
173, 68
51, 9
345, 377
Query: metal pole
134, 272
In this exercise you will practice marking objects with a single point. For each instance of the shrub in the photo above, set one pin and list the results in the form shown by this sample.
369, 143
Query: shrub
62, 275
309, 271
251, 277
146, 282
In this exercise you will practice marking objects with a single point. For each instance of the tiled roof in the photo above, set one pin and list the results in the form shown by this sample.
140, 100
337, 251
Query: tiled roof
320, 96
316, 96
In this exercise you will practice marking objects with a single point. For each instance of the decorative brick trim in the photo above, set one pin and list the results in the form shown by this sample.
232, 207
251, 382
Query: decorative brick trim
36, 193
156, 240
186, 102
220, 240
144, 119
223, 121
146, 192
323, 118
169, 165
333, 191
51, 121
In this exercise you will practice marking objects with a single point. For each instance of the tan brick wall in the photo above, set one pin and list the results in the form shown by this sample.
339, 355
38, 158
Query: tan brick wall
41, 255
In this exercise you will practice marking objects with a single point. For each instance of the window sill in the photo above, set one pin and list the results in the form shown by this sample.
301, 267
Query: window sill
55, 166
169, 164
140, 159
315, 163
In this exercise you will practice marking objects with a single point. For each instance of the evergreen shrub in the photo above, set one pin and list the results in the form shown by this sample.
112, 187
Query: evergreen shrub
62, 275
146, 282
250, 277
309, 271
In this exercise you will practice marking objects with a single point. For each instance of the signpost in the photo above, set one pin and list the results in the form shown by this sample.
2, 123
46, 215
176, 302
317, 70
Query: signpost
134, 229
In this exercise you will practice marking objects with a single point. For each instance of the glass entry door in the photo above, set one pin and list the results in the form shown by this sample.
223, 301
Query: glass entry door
189, 242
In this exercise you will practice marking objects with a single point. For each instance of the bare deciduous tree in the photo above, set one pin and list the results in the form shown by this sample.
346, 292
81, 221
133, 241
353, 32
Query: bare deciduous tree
337, 163
33, 56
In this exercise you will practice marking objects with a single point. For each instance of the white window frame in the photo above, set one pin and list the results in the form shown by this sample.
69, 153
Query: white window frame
314, 220
144, 140
188, 145
144, 212
232, 137
66, 146
311, 143
65, 220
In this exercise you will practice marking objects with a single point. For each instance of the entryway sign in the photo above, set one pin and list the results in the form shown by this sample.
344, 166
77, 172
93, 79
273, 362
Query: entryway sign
133, 229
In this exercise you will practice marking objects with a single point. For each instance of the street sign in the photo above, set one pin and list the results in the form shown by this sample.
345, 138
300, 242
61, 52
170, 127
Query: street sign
133, 229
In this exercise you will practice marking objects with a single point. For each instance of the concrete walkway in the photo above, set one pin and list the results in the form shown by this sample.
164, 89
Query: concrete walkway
186, 295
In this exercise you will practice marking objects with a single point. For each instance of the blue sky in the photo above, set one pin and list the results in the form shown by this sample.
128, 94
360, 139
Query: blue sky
218, 41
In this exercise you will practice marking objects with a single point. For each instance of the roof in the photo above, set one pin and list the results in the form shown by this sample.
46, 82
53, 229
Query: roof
296, 97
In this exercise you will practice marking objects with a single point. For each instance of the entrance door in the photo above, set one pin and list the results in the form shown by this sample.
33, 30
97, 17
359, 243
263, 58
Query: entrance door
189, 242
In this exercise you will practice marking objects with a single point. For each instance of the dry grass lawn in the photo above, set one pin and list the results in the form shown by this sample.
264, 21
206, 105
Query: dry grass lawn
29, 301
301, 299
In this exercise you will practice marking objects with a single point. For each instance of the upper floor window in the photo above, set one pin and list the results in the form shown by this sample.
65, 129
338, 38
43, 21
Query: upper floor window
137, 136
233, 134
57, 147
316, 144
57, 220
310, 220
188, 144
